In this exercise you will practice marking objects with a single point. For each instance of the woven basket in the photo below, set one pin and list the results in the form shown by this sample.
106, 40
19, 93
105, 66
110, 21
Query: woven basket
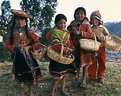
40, 53
59, 57
113, 43
89, 44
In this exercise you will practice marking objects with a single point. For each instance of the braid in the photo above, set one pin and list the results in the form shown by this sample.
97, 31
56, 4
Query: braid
12, 30
26, 28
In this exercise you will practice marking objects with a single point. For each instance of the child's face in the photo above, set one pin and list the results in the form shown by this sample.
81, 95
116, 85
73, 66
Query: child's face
20, 21
61, 24
95, 21
79, 15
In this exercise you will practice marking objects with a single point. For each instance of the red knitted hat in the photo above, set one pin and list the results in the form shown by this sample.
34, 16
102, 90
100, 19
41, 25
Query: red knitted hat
96, 14
20, 13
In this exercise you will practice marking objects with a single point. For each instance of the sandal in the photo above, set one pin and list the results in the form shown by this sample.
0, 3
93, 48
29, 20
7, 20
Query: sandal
62, 93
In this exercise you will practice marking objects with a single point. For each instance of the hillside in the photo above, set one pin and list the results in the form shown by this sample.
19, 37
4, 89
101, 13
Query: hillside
114, 28
111, 86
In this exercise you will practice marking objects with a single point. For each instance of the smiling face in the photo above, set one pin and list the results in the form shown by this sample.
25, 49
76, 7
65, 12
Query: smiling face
61, 24
79, 15
95, 21
20, 21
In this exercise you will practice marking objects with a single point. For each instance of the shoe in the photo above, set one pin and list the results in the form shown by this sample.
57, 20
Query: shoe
62, 93
100, 80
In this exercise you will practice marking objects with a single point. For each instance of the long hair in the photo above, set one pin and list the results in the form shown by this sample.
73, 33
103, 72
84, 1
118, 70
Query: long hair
80, 9
13, 26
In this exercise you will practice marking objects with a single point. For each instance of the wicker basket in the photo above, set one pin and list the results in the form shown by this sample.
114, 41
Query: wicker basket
89, 44
59, 57
40, 53
113, 43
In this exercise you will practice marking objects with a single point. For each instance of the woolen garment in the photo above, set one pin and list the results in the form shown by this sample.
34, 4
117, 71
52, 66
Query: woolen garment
61, 36
23, 40
59, 69
24, 65
54, 38
56, 68
100, 31
83, 27
20, 13
98, 67
26, 68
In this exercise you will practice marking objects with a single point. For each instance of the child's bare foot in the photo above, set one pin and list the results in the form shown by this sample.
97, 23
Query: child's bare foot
40, 78
52, 94
13, 76
31, 94
63, 93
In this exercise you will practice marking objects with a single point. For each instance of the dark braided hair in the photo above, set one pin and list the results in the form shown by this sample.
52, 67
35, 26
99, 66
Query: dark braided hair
26, 27
12, 29
13, 26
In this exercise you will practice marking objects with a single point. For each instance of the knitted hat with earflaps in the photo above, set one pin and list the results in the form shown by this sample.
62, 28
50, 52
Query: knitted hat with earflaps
96, 14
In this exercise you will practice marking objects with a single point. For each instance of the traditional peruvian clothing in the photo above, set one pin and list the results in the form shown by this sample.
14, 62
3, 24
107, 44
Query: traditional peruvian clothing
25, 67
57, 37
82, 57
98, 71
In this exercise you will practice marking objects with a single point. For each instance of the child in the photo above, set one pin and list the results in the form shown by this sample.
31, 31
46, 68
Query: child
97, 72
20, 42
80, 28
59, 70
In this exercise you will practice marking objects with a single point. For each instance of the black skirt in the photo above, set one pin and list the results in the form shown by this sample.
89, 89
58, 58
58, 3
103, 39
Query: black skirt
26, 68
58, 69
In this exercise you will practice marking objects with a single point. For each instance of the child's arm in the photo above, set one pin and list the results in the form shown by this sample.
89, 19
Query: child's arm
35, 41
8, 46
87, 33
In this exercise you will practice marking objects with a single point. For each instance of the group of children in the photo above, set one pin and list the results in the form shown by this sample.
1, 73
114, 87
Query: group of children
22, 40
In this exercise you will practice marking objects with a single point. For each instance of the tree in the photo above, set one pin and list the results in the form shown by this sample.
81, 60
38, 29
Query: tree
42, 12
5, 16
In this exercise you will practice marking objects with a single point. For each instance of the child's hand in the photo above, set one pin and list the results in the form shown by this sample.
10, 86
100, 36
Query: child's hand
27, 49
102, 38
107, 37
17, 47
74, 31
70, 51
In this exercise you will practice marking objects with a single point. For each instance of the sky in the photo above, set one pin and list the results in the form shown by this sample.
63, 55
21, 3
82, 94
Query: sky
109, 9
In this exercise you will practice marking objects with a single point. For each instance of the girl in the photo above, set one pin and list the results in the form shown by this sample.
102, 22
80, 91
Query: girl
97, 72
80, 28
20, 42
58, 70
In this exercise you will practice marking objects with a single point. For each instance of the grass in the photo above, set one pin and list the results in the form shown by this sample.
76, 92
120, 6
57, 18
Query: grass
111, 86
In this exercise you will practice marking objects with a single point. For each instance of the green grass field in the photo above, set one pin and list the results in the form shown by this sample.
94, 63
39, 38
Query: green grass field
111, 86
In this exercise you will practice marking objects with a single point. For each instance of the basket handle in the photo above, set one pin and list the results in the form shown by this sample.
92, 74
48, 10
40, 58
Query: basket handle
62, 46
95, 37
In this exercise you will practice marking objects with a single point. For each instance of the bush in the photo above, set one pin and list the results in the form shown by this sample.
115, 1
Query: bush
3, 54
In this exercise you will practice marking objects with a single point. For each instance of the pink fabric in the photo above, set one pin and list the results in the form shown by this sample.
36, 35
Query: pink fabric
96, 14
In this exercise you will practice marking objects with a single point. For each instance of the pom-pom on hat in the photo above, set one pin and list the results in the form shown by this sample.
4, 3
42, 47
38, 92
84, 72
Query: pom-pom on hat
59, 17
20, 13
96, 14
